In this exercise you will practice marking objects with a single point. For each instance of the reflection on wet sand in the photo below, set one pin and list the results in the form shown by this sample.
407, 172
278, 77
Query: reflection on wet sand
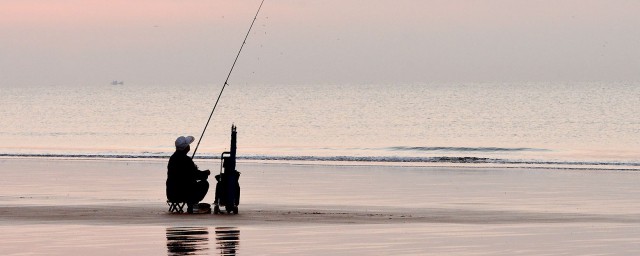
195, 240
187, 241
227, 240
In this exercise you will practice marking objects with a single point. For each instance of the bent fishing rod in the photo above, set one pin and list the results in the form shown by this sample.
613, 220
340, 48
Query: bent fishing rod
226, 82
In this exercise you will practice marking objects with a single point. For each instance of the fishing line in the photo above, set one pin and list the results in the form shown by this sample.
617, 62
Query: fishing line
227, 80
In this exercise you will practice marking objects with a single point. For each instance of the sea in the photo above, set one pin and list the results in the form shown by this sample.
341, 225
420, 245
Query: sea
550, 164
575, 125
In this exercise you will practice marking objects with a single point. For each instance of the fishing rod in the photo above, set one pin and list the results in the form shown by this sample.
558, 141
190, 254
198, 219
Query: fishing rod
227, 80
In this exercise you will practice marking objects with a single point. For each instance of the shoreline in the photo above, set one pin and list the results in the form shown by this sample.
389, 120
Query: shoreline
586, 166
288, 215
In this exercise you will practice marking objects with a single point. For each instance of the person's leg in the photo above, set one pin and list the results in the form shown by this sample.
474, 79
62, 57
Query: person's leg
199, 191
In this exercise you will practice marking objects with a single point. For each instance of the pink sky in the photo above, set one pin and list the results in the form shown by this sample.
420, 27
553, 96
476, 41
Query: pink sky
317, 41
495, 13
92, 12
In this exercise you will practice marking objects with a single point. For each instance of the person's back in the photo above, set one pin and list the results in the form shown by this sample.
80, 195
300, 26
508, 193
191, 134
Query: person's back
181, 176
185, 183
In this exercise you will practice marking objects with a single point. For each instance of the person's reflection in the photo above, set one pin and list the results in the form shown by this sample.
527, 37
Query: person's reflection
227, 240
187, 241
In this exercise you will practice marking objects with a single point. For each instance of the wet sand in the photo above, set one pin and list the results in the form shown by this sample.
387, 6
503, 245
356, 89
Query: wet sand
270, 215
102, 207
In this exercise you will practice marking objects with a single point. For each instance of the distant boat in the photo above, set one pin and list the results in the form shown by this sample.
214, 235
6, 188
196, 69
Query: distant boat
116, 82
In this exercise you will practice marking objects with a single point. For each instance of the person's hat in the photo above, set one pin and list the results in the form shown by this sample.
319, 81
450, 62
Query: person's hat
183, 142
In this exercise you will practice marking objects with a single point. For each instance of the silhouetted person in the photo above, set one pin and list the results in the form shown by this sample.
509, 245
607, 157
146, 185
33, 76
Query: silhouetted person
185, 183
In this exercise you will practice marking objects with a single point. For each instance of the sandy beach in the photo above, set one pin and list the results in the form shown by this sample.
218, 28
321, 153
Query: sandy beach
320, 209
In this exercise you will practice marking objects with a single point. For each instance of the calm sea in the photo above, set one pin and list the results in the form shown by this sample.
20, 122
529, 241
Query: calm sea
559, 125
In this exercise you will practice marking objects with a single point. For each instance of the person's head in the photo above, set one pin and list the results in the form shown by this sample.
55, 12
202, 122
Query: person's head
183, 142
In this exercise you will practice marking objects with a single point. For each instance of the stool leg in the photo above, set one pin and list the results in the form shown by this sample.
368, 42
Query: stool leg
177, 207
173, 207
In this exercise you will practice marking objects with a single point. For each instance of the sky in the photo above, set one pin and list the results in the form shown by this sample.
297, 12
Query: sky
170, 42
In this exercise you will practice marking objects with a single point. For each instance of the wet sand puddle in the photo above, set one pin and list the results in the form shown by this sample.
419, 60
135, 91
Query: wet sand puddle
288, 239
227, 240
187, 241
195, 241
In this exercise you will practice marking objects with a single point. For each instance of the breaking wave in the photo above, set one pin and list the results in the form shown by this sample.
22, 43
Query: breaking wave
465, 149
398, 160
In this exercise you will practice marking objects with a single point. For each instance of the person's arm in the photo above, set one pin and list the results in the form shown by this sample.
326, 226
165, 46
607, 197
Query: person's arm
197, 174
203, 175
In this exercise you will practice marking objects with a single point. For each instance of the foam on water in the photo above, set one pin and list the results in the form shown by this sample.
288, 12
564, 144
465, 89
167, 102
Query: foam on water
465, 149
374, 160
